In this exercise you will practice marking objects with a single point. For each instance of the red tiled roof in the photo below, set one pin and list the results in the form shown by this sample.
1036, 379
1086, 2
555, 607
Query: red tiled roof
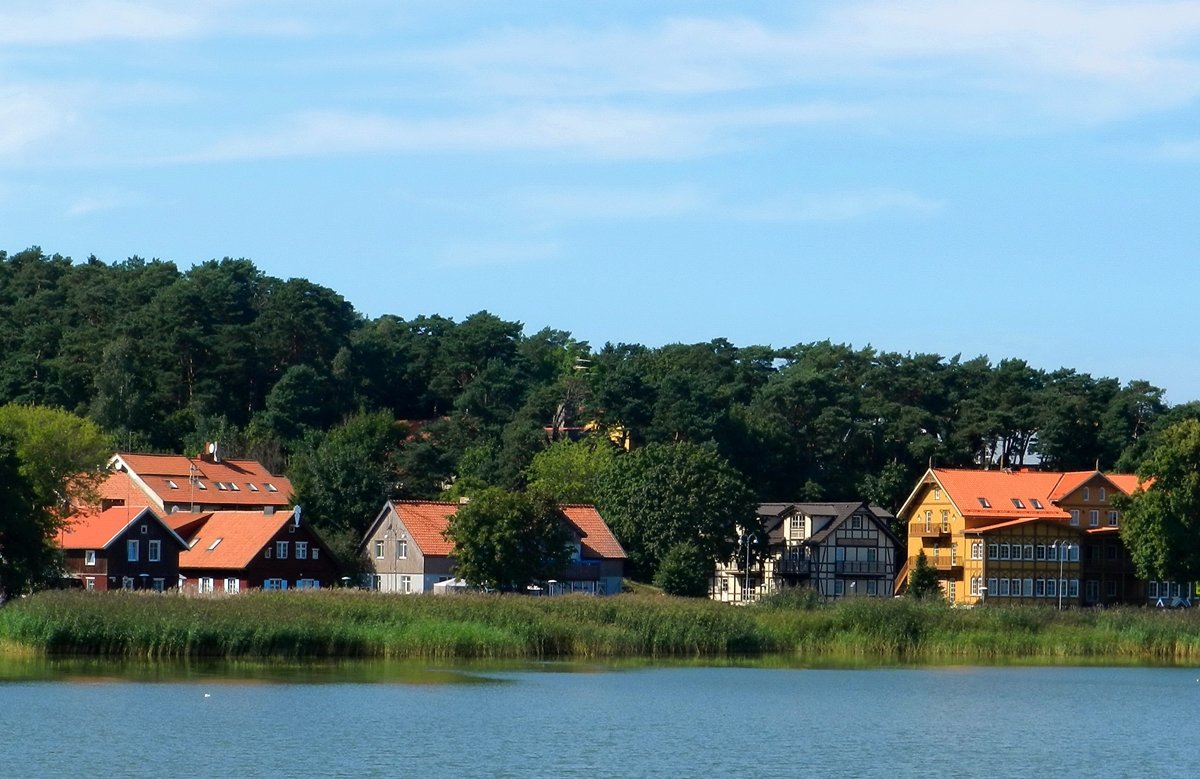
998, 489
598, 539
241, 534
227, 482
1014, 523
1126, 482
425, 520
98, 530
1070, 481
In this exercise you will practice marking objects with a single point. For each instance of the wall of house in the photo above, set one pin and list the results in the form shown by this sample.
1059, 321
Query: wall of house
74, 562
1021, 565
319, 568
141, 573
936, 527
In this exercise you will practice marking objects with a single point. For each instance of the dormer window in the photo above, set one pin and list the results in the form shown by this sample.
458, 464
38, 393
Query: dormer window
251, 486
214, 544
270, 487
200, 484
984, 503
220, 486
234, 487
1037, 504
172, 484
1017, 503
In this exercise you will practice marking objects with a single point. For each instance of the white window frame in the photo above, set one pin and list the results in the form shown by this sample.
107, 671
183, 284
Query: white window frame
232, 585
281, 550
1094, 518
401, 548
89, 557
133, 550
379, 550
405, 583
154, 550
301, 550
1113, 518
126, 582
1075, 517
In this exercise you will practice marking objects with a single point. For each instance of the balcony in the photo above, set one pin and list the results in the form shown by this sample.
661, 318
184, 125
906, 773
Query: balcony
930, 531
785, 566
861, 568
946, 563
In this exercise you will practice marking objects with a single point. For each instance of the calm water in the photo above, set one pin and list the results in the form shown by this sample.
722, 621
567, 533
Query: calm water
576, 720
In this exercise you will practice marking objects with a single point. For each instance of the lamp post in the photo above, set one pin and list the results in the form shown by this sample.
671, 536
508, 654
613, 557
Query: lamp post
983, 594
747, 539
1061, 550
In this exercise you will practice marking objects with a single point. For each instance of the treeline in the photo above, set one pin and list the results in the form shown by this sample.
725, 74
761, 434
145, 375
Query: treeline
288, 372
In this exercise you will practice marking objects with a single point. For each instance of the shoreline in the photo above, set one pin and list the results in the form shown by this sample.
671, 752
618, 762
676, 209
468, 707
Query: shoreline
352, 625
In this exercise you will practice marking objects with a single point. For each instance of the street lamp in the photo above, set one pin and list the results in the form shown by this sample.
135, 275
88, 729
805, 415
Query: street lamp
983, 594
1061, 548
747, 539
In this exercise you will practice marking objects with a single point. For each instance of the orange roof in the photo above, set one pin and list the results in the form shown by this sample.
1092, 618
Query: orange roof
231, 539
226, 482
992, 493
426, 520
1126, 482
1013, 523
97, 531
1069, 482
597, 538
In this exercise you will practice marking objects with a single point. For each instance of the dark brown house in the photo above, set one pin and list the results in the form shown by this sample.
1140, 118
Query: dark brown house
123, 547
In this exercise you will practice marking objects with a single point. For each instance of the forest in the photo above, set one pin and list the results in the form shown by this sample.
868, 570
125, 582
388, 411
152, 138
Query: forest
356, 410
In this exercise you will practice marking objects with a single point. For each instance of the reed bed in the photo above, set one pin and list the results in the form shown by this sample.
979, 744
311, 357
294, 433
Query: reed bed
353, 624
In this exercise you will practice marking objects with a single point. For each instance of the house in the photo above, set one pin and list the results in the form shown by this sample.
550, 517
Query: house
1022, 536
838, 549
171, 483
122, 547
230, 551
407, 552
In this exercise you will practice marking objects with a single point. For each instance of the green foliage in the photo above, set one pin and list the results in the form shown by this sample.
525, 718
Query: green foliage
62, 456
923, 579
342, 479
1160, 524
507, 540
26, 530
568, 471
666, 494
685, 571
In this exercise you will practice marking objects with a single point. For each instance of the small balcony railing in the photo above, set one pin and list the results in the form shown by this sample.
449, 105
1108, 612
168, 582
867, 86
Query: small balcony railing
932, 531
946, 563
790, 567
863, 567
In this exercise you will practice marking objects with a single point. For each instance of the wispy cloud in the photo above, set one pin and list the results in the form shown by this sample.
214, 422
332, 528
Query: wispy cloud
838, 206
474, 254
96, 202
73, 22
1179, 151
30, 116
585, 130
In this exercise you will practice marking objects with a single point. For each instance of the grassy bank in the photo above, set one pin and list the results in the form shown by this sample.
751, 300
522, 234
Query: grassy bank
359, 624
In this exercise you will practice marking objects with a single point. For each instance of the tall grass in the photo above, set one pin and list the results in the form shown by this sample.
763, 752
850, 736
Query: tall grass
355, 624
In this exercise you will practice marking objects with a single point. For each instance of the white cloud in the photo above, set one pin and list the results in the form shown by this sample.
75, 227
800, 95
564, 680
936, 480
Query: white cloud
497, 253
609, 203
29, 117
590, 131
73, 22
837, 206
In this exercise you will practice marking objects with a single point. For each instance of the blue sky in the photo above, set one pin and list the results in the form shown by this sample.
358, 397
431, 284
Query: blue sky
1009, 178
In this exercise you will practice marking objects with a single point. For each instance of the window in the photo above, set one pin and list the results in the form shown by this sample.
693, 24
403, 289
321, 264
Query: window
1016, 588
945, 521
406, 583
308, 584
1039, 588
1085, 494
974, 586
1101, 495
872, 587
993, 551
1110, 589
205, 584
316, 553
1094, 518
991, 586
154, 550
89, 557
1005, 552
133, 550
795, 524
90, 583
126, 582
1153, 589
951, 586
937, 493
275, 584
220, 486
270, 487
984, 503
839, 587
172, 484
378, 550
928, 520
1037, 504
402, 549
267, 552
1004, 587
159, 585
1073, 588
200, 484
1040, 552
724, 584
234, 487
1093, 591
856, 522
1017, 503
233, 585
1027, 588
301, 550
251, 486
1072, 553
215, 544
281, 549
976, 550
1029, 551
1112, 519
144, 529
1051, 588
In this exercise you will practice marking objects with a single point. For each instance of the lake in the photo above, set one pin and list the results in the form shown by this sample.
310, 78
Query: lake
102, 719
